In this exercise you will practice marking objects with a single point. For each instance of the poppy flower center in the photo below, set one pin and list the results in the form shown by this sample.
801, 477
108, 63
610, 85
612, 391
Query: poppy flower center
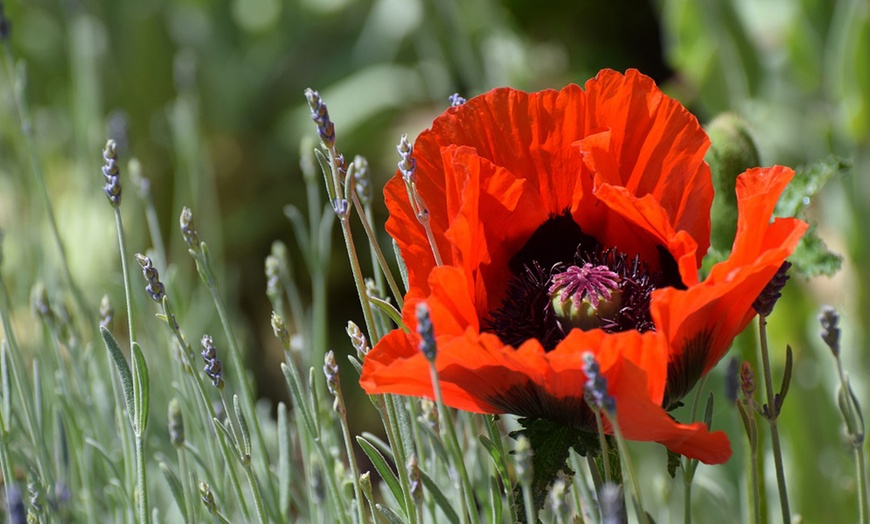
582, 295
563, 278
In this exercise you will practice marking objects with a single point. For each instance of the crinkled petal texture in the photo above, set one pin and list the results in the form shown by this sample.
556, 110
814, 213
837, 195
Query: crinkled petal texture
701, 321
627, 163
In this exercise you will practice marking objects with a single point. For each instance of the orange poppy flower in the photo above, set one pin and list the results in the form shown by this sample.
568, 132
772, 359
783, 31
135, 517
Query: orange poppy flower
573, 221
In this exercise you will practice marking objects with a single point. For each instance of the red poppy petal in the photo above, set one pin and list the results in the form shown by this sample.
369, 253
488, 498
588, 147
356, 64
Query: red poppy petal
642, 419
640, 225
701, 322
650, 144
483, 199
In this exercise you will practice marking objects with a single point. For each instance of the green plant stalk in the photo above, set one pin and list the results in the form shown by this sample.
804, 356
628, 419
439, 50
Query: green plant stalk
774, 432
255, 488
582, 497
141, 481
184, 472
244, 384
747, 414
5, 465
629, 469
16, 366
691, 465
378, 259
862, 483
495, 437
398, 446
529, 503
351, 458
857, 445
469, 505
129, 455
605, 460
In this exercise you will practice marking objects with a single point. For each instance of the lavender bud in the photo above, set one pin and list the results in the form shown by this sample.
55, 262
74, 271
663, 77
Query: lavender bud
596, 385
155, 286
407, 165
362, 180
5, 25
732, 380
37, 498
107, 312
763, 305
207, 497
111, 173
330, 370
320, 115
188, 230
176, 423
426, 331
830, 320
523, 460
414, 478
429, 414
213, 367
280, 330
40, 304
456, 100
747, 380
610, 499
357, 339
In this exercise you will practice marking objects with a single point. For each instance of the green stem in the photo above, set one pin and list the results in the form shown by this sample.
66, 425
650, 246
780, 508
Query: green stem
605, 458
771, 418
862, 482
354, 468
629, 468
22, 385
401, 456
378, 259
529, 503
184, 471
255, 488
128, 286
141, 483
456, 450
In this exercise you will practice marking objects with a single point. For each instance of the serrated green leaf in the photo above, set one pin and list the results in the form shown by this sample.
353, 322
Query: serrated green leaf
123, 371
673, 462
141, 389
807, 183
174, 486
812, 257
384, 470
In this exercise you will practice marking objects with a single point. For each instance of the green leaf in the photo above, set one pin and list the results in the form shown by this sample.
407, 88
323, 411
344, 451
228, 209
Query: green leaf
141, 389
243, 427
283, 460
174, 486
440, 499
495, 500
673, 462
299, 401
384, 470
227, 441
550, 445
811, 257
390, 514
403, 269
806, 184
390, 310
123, 371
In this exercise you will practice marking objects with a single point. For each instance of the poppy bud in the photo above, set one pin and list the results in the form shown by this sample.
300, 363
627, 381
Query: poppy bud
732, 152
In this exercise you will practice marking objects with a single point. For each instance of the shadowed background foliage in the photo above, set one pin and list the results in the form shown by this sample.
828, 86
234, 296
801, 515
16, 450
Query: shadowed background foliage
208, 97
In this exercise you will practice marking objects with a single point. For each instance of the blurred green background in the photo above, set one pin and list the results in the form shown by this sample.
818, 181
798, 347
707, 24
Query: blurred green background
208, 97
